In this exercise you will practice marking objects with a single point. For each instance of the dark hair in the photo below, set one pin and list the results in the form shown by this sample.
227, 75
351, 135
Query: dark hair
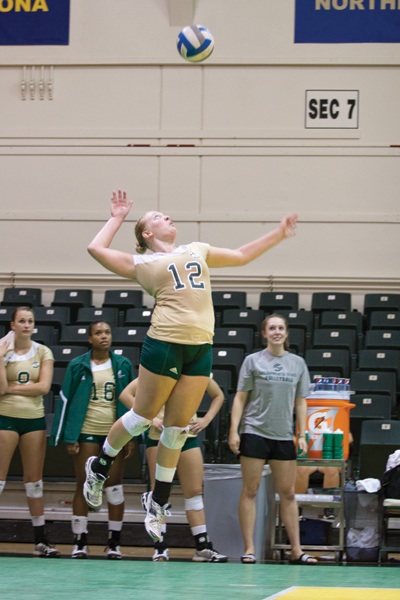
94, 323
264, 324
16, 310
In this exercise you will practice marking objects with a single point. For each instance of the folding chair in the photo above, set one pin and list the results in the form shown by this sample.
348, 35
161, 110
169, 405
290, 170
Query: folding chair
122, 300
6, 316
72, 335
328, 360
332, 319
374, 382
45, 334
91, 314
297, 341
224, 379
345, 339
228, 358
129, 335
367, 406
244, 317
228, 299
48, 402
384, 319
21, 296
300, 319
72, 298
383, 339
58, 378
335, 338
318, 373
238, 337
375, 302
64, 354
275, 302
130, 352
56, 316
138, 316
209, 438
379, 438
324, 301
380, 360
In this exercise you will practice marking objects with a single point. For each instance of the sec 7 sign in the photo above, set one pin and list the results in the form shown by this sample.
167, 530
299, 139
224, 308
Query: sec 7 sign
332, 109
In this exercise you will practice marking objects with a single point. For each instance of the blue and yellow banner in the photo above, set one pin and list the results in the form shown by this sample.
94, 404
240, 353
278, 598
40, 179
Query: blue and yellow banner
347, 21
34, 22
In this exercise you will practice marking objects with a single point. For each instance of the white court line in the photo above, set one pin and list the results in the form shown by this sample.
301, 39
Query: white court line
281, 593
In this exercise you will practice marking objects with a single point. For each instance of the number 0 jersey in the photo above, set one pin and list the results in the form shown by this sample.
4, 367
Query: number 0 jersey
24, 369
180, 283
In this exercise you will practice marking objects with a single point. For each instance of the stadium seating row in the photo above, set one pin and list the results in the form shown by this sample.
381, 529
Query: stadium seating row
222, 300
334, 340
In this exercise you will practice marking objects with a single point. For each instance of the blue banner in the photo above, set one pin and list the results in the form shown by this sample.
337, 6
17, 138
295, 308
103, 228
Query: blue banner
34, 22
347, 21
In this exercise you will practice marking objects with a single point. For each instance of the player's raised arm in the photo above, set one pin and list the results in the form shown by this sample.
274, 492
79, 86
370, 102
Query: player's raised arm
224, 257
118, 262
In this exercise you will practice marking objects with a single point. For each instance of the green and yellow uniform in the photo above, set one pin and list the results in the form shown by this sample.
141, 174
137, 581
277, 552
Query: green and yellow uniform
180, 283
23, 369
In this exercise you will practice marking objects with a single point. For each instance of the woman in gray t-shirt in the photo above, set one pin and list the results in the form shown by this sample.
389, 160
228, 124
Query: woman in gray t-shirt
272, 384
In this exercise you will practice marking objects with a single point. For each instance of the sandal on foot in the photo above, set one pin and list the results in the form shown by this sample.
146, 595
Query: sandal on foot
248, 559
304, 559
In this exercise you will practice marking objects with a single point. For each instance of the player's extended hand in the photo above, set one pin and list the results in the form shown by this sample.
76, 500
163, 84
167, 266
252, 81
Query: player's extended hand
288, 225
120, 206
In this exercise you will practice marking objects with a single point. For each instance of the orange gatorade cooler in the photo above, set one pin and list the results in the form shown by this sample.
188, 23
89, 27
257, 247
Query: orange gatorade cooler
328, 410
327, 415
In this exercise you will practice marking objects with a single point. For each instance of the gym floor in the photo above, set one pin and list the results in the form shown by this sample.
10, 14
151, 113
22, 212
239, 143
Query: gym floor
137, 576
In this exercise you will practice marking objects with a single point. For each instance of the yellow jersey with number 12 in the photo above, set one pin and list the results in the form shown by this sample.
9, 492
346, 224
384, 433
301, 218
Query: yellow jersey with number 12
180, 283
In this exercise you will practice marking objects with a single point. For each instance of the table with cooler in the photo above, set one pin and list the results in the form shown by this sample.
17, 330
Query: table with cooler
328, 411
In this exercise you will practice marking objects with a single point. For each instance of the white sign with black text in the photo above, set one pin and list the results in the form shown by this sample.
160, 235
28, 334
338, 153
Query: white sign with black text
332, 109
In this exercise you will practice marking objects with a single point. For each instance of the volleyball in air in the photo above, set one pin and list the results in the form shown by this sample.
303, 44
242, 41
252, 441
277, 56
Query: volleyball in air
195, 43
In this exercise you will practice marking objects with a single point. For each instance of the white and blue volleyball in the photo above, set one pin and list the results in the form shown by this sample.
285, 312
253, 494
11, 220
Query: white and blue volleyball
195, 43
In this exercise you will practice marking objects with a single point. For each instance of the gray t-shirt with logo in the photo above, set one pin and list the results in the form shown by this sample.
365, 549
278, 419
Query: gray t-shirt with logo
273, 383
